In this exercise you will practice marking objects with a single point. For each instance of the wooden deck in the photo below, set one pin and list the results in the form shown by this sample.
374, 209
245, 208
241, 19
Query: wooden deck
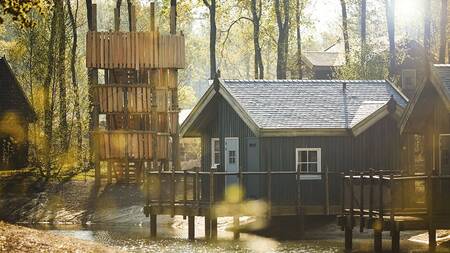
390, 201
203, 193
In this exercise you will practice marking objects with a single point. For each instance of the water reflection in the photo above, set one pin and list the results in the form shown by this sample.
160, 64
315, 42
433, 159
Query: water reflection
172, 234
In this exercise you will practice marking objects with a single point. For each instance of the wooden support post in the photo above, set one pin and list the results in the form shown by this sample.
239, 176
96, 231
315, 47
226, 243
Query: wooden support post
343, 194
432, 239
431, 226
236, 234
392, 212
395, 238
207, 227
298, 192
191, 227
348, 233
381, 207
214, 228
352, 200
377, 239
361, 203
327, 192
109, 172
269, 192
301, 223
371, 195
153, 220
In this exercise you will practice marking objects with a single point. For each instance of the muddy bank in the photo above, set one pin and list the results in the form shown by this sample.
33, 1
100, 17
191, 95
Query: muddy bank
25, 200
21, 239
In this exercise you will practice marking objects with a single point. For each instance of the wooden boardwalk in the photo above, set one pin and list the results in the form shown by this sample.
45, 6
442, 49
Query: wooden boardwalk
390, 201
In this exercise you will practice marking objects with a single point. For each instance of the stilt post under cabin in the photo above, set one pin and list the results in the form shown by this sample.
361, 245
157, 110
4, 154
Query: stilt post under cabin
378, 224
395, 237
207, 227
191, 227
211, 203
153, 221
236, 234
431, 227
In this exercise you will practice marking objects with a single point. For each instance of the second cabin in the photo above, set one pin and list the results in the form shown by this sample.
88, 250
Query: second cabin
312, 129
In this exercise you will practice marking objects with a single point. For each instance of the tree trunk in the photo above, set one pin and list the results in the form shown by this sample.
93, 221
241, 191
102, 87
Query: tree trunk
129, 5
63, 126
345, 31
427, 28
299, 9
259, 67
390, 15
212, 36
48, 112
363, 37
118, 5
443, 32
283, 37
73, 56
89, 14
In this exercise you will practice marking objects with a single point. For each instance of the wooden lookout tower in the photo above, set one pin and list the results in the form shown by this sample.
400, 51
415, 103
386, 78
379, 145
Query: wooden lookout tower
135, 104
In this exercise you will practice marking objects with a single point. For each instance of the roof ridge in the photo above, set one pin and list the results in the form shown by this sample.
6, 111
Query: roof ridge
305, 80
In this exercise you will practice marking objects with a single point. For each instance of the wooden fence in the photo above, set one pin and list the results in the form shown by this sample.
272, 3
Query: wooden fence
134, 50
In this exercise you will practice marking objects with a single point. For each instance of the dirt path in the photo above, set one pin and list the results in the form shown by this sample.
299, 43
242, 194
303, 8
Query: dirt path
21, 239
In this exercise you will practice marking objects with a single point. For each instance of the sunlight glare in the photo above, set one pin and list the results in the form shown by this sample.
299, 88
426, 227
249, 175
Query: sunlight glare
408, 10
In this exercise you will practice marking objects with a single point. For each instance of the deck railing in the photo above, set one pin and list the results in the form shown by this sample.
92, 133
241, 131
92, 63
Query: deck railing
389, 194
204, 189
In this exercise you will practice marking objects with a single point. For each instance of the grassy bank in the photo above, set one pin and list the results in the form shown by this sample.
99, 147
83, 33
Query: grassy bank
21, 239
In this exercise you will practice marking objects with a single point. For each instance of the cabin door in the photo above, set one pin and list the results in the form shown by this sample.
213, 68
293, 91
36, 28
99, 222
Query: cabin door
231, 159
444, 154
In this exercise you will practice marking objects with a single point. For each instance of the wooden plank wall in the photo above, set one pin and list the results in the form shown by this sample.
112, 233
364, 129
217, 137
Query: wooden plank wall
112, 145
134, 50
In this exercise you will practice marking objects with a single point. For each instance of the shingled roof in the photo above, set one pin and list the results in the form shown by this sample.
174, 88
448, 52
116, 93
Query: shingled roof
442, 71
306, 105
12, 97
439, 79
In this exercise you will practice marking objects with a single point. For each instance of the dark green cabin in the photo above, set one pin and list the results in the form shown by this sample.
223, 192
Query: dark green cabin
307, 126
16, 113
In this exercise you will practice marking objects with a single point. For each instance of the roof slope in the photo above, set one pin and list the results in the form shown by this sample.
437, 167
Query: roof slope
443, 73
311, 104
12, 97
324, 59
303, 107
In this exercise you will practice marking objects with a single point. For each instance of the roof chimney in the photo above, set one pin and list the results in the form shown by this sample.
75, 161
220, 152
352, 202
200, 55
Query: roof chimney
344, 86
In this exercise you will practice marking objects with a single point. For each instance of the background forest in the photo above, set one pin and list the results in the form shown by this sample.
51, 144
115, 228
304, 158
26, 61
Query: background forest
44, 41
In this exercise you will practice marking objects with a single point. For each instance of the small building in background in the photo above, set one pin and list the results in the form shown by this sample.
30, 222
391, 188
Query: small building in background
321, 65
16, 113
411, 65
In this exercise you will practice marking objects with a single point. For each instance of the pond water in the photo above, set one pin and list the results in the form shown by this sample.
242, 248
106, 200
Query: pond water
172, 238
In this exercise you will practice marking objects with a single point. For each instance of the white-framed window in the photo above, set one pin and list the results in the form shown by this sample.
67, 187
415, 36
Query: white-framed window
215, 152
308, 160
